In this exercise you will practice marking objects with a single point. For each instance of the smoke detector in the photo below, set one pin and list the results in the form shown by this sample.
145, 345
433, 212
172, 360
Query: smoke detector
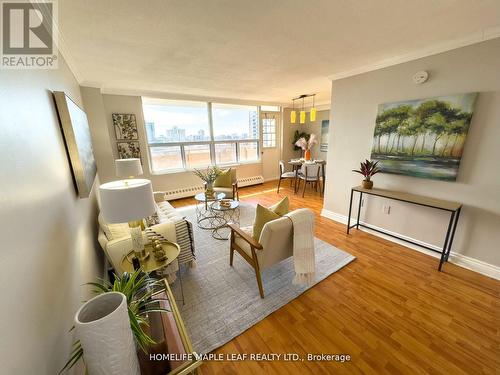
420, 77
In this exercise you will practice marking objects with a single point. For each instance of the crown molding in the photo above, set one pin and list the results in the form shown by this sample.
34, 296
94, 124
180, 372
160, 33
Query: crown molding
478, 37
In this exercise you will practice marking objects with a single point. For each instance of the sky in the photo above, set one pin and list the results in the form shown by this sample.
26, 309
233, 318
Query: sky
227, 120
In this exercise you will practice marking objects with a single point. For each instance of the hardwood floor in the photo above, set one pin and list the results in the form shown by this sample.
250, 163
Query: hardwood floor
390, 310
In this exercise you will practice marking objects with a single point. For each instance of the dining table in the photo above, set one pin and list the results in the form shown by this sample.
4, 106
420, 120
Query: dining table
297, 165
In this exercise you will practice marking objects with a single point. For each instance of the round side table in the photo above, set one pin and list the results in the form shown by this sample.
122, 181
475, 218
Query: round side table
223, 215
204, 213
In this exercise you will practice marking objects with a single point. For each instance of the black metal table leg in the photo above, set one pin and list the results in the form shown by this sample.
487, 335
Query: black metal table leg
445, 246
359, 209
349, 216
453, 234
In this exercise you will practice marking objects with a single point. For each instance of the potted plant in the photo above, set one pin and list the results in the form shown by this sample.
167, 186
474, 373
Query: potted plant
209, 176
367, 169
307, 145
121, 308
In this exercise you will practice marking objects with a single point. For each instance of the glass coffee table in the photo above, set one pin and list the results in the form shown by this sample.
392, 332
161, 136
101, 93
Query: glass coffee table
204, 213
222, 215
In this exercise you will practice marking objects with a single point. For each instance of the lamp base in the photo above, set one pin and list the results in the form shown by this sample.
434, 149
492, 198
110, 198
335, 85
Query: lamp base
137, 241
141, 255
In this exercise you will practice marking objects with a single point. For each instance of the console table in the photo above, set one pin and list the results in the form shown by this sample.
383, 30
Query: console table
453, 208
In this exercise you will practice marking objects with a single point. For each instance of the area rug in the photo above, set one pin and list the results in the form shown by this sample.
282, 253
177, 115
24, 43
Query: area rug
222, 301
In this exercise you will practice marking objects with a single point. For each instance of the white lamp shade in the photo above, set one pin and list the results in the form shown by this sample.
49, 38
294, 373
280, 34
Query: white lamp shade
126, 200
128, 167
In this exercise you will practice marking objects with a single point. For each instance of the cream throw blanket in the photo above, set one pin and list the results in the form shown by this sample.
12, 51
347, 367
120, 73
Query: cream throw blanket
303, 246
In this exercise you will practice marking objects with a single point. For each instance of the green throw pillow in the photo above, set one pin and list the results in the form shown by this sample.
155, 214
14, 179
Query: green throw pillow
262, 216
280, 208
224, 179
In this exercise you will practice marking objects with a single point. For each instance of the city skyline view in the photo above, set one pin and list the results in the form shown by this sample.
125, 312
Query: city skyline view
189, 123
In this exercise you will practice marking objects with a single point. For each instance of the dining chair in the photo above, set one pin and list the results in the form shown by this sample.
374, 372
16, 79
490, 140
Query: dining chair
285, 175
309, 173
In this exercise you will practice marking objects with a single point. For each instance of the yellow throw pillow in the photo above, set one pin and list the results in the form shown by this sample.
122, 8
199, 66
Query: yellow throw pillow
280, 208
224, 179
262, 216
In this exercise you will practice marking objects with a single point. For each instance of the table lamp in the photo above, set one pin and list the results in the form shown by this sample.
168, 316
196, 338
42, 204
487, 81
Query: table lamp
128, 201
128, 168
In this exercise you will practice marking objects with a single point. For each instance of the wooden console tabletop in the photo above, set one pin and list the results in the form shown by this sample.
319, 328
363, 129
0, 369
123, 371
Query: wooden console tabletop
411, 198
453, 207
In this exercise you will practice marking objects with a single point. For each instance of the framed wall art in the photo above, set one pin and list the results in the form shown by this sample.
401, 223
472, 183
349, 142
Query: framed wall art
125, 126
127, 150
76, 132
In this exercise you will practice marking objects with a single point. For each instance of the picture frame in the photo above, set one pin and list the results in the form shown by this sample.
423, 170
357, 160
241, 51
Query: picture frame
76, 132
423, 137
127, 150
125, 126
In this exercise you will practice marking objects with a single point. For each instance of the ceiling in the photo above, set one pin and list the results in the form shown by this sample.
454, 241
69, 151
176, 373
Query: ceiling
256, 49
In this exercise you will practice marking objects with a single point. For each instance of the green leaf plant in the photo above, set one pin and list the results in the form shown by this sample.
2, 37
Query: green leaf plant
138, 287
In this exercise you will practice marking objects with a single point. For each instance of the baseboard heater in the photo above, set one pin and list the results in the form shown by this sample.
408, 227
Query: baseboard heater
191, 191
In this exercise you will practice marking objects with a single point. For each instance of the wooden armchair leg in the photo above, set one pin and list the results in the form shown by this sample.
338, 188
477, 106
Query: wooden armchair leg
257, 272
259, 283
279, 183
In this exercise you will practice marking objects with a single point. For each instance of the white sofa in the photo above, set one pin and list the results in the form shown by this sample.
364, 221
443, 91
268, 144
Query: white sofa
116, 242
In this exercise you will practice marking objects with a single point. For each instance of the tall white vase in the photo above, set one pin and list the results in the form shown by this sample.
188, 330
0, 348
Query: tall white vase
103, 328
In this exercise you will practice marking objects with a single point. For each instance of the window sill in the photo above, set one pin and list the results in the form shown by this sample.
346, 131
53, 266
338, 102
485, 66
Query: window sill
190, 170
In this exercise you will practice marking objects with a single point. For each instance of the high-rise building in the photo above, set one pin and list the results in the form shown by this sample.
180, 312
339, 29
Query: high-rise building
150, 131
253, 125
176, 134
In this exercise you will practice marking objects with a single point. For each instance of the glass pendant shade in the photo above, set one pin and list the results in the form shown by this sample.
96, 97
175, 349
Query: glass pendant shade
312, 114
293, 117
302, 117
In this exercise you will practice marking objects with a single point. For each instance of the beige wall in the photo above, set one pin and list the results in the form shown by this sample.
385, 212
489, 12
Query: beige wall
101, 107
354, 105
309, 127
49, 244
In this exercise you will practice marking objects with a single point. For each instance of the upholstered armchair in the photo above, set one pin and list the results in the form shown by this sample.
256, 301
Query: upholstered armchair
228, 186
275, 244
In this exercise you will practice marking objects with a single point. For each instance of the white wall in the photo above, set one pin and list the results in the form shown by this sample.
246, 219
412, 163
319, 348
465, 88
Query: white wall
49, 246
354, 107
101, 107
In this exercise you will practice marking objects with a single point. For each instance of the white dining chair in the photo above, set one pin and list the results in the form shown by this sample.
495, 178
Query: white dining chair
309, 173
285, 175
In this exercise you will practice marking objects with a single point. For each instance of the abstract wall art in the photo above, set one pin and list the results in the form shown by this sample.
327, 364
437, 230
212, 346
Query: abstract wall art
127, 150
125, 126
76, 131
423, 138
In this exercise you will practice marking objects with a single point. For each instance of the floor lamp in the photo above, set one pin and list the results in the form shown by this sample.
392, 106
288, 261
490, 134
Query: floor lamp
129, 201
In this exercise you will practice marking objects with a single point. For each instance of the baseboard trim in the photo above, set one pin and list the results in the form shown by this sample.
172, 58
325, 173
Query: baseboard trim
461, 260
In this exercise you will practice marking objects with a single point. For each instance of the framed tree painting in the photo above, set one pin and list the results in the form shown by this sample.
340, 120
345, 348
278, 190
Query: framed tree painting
76, 132
423, 138
127, 150
125, 126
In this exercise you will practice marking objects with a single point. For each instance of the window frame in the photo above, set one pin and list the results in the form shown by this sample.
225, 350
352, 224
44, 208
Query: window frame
275, 133
211, 142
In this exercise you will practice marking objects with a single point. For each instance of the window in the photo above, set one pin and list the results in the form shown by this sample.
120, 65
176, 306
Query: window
165, 158
197, 155
235, 122
176, 121
268, 132
249, 151
187, 134
270, 108
225, 153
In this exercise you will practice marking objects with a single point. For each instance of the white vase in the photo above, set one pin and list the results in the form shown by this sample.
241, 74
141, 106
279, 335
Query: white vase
103, 327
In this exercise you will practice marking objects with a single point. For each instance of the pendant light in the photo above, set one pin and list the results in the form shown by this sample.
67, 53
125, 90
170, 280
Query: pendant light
312, 114
302, 113
293, 113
